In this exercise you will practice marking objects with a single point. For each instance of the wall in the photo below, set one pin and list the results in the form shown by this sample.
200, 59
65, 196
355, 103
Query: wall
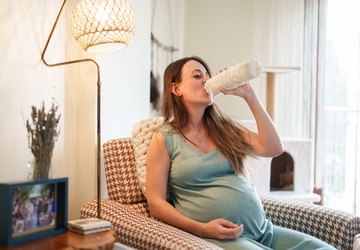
125, 81
167, 27
227, 32
269, 31
26, 81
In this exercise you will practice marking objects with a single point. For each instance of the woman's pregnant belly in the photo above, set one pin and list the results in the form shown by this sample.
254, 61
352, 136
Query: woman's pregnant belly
229, 197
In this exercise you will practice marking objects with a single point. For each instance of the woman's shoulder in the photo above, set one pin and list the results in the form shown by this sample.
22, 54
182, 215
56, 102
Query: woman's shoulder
166, 129
169, 133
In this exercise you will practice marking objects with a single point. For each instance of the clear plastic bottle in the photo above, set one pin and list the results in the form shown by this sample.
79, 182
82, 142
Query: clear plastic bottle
234, 76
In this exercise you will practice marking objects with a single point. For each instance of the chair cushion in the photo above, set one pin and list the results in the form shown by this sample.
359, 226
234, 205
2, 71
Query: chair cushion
141, 136
135, 229
121, 179
312, 219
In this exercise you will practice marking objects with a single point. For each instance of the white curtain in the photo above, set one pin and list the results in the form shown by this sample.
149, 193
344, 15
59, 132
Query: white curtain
337, 92
278, 39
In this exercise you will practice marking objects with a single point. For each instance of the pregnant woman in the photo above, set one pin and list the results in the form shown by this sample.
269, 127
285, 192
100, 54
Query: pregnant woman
198, 153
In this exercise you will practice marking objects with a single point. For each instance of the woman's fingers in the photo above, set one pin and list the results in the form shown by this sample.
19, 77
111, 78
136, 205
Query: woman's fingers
233, 233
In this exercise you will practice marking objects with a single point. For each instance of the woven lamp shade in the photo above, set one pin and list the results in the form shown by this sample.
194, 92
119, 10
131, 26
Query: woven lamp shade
103, 25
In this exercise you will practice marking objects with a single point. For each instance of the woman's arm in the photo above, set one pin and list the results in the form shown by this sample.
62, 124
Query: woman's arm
157, 171
266, 142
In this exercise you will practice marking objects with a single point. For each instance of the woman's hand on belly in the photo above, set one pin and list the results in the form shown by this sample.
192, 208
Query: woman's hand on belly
221, 229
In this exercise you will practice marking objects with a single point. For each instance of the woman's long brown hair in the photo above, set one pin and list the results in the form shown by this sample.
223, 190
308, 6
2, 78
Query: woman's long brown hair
224, 130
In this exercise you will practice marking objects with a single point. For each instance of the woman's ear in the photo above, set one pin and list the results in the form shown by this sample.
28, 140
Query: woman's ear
175, 89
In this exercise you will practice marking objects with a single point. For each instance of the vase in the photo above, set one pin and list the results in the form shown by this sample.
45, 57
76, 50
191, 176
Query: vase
39, 170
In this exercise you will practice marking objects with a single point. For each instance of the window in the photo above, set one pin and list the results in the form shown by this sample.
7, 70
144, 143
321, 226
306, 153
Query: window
338, 126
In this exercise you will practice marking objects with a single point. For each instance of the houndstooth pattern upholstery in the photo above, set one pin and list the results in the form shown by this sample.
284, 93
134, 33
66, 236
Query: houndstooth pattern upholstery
335, 227
120, 172
127, 210
137, 230
126, 206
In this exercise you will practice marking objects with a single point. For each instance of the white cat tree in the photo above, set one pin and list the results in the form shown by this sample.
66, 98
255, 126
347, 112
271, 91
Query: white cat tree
300, 149
271, 96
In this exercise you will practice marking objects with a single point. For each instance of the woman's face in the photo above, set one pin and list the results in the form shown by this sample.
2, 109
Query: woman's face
192, 86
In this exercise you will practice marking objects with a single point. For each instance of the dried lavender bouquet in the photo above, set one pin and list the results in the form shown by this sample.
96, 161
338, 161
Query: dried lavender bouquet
42, 131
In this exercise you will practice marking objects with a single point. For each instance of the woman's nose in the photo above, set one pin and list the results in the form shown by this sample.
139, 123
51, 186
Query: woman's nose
205, 78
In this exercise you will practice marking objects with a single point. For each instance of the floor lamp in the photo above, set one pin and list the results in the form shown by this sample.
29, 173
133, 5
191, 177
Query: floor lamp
98, 26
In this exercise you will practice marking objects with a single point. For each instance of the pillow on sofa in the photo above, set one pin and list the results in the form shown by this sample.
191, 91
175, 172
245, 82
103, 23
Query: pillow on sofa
142, 133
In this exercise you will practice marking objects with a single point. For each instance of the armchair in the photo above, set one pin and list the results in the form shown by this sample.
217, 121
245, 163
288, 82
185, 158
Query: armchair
127, 210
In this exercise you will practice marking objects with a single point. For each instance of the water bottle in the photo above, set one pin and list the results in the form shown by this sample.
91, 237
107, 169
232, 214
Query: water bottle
234, 76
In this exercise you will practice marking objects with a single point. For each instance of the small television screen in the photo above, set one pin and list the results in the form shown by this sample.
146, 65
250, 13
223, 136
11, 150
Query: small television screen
33, 208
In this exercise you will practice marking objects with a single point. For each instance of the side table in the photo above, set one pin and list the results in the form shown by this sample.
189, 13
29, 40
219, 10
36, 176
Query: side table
70, 240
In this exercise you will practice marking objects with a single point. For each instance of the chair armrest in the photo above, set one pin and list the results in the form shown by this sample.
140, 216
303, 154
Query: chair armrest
136, 230
335, 227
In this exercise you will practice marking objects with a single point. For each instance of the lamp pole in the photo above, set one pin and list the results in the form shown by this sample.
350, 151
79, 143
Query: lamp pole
98, 110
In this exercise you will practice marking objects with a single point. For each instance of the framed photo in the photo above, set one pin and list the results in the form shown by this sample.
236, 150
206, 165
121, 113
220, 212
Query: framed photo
33, 210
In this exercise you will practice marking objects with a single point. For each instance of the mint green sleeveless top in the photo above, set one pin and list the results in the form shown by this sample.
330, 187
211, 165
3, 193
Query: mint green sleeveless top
204, 187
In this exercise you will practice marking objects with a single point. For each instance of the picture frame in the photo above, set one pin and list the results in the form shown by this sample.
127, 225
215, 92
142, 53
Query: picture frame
33, 210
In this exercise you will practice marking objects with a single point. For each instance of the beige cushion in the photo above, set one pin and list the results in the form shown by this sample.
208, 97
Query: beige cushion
141, 136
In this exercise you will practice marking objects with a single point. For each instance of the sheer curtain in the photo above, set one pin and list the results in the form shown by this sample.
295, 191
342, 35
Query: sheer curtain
278, 39
335, 70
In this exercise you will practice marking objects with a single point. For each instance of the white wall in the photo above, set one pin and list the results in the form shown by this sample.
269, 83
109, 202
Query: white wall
125, 81
227, 32
26, 81
167, 26
206, 28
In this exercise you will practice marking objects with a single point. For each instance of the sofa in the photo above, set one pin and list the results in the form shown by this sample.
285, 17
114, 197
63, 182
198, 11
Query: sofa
127, 210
